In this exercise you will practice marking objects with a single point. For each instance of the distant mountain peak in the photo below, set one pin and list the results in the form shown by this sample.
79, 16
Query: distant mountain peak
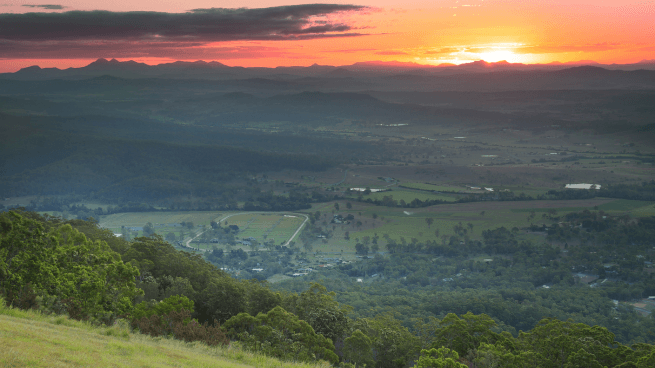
30, 68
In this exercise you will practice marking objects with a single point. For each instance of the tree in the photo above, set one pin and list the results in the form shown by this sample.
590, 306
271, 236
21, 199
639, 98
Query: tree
336, 206
429, 221
439, 358
361, 249
349, 205
170, 237
173, 303
281, 334
260, 298
394, 344
320, 309
84, 275
358, 350
148, 229
465, 333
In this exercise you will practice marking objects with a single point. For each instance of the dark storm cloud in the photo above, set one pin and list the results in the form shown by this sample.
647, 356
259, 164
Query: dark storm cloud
121, 49
204, 25
47, 7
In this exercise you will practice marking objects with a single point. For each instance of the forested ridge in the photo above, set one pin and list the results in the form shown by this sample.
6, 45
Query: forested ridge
76, 268
46, 156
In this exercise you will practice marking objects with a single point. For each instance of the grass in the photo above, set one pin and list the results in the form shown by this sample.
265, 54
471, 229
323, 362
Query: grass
141, 218
257, 224
426, 186
408, 196
396, 223
619, 205
28, 338
624, 205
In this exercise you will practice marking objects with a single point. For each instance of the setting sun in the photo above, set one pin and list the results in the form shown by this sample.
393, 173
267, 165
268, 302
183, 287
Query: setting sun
499, 55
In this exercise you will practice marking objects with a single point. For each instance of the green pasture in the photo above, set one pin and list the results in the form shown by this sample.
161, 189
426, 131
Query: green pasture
141, 218
396, 223
559, 210
625, 205
644, 208
408, 196
528, 191
271, 225
434, 187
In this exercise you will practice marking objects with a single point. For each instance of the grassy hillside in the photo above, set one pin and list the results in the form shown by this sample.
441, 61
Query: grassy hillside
31, 339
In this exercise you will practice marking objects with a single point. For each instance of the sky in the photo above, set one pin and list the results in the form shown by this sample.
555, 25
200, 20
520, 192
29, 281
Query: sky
72, 33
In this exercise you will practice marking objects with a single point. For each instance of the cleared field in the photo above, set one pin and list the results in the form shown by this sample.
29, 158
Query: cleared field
141, 218
426, 186
285, 229
275, 226
644, 211
411, 223
409, 195
624, 205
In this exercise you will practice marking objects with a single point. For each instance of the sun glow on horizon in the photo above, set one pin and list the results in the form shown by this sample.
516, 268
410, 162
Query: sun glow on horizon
499, 55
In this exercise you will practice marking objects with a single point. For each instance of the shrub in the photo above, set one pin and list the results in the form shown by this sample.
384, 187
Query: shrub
175, 324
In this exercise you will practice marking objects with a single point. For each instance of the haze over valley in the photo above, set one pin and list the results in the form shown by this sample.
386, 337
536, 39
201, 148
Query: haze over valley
385, 211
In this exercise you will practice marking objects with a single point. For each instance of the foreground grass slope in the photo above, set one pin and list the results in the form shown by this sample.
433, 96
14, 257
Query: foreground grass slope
31, 339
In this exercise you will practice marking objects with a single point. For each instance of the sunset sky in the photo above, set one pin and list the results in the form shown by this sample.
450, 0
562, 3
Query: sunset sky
280, 33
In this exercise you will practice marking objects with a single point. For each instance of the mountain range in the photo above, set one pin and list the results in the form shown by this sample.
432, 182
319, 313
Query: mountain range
220, 71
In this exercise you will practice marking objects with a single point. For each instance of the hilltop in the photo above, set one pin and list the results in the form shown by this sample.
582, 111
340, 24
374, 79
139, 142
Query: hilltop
30, 338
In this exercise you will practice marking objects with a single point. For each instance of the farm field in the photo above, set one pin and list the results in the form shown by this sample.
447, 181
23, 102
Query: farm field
278, 227
163, 222
141, 218
438, 188
411, 223
409, 195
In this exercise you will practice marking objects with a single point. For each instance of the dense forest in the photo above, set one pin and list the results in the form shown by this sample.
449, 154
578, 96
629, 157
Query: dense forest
487, 314
45, 156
